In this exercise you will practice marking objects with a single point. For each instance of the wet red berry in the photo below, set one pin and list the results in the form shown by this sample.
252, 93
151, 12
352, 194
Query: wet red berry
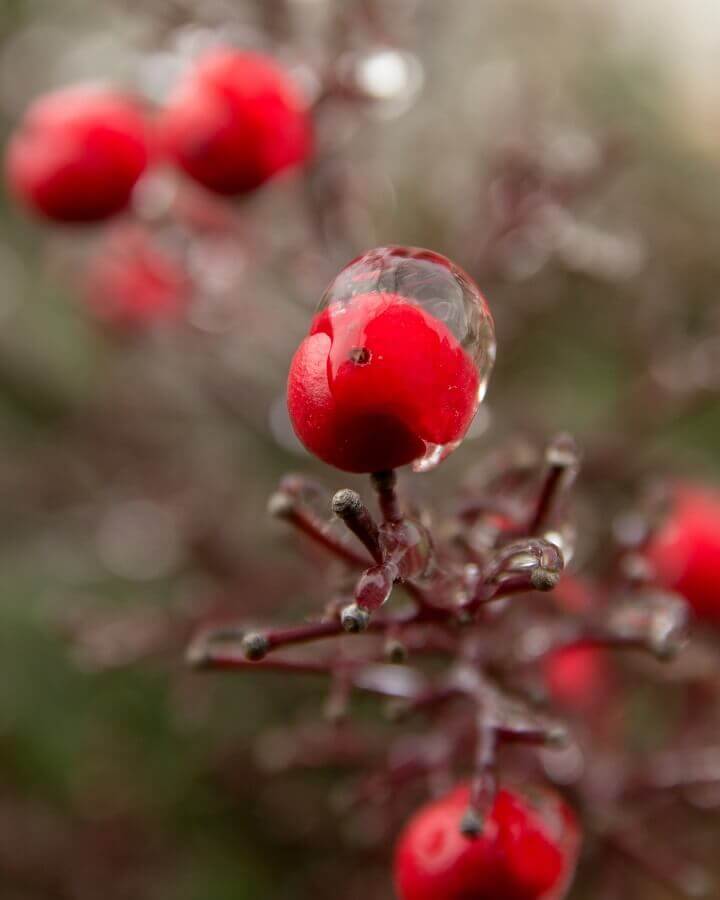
685, 551
526, 851
77, 154
235, 121
395, 363
133, 283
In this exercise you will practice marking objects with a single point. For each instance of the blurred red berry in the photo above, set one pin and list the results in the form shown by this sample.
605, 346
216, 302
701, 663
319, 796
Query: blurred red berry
133, 283
526, 851
383, 378
577, 677
77, 154
235, 121
685, 551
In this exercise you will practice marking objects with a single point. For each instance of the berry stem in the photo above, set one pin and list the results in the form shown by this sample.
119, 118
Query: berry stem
385, 484
215, 660
562, 459
256, 645
348, 506
285, 637
520, 584
484, 784
289, 508
499, 582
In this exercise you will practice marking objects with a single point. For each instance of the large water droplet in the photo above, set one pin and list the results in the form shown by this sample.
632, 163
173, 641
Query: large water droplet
441, 322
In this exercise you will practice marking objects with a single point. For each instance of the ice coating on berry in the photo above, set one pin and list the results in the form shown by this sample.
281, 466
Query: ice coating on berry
78, 154
395, 364
235, 121
526, 851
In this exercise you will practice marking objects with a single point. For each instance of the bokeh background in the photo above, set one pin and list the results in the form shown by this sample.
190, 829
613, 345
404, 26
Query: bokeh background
565, 152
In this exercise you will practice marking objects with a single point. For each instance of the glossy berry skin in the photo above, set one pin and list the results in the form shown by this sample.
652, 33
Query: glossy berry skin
373, 384
77, 154
524, 852
235, 121
133, 284
685, 550
395, 365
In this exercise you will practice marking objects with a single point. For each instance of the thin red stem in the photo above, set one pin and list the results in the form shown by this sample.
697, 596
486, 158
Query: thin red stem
385, 484
309, 524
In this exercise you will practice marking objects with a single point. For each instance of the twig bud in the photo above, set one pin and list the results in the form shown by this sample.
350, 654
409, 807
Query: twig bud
471, 825
354, 619
255, 646
543, 579
562, 452
347, 504
280, 505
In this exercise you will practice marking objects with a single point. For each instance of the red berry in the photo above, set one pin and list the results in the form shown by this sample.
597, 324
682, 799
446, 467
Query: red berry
78, 154
526, 851
577, 677
134, 283
395, 363
236, 120
685, 551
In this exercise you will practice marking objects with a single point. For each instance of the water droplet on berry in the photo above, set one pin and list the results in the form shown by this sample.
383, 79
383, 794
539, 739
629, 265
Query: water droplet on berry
412, 344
